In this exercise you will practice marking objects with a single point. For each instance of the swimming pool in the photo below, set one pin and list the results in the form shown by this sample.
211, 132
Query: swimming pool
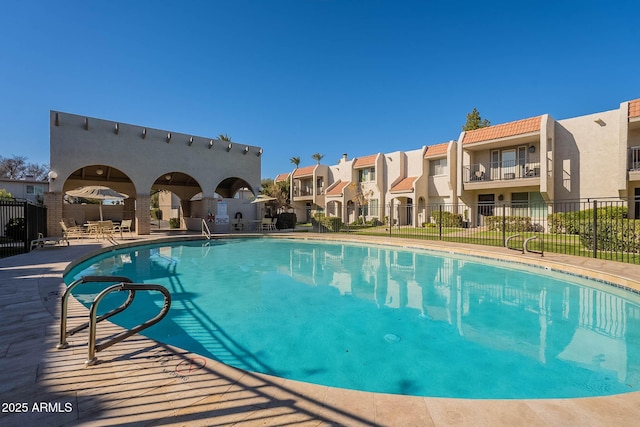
386, 319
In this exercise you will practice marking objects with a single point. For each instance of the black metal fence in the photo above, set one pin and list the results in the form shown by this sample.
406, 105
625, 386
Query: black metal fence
602, 229
20, 223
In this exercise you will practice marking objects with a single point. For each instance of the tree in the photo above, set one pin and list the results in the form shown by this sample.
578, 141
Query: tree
224, 137
474, 121
17, 167
317, 157
5, 195
295, 161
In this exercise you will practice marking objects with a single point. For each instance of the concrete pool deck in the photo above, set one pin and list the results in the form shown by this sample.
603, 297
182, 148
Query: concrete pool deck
141, 382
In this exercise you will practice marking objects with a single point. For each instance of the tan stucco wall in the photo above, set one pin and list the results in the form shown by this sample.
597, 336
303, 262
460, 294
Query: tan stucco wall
586, 160
78, 141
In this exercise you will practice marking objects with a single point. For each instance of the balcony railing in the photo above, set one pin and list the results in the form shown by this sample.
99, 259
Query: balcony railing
634, 158
501, 171
307, 192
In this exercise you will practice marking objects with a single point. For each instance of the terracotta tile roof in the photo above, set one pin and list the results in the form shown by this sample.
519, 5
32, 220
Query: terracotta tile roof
362, 162
282, 177
634, 108
436, 150
518, 127
336, 190
405, 185
305, 171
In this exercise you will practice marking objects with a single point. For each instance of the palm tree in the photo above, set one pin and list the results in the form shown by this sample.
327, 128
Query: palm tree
295, 161
224, 137
317, 157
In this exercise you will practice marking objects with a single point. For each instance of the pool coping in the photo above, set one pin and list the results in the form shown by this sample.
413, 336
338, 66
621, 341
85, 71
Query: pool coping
133, 382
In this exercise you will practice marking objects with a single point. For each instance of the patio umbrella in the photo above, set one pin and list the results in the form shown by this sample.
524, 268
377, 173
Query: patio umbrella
97, 192
261, 198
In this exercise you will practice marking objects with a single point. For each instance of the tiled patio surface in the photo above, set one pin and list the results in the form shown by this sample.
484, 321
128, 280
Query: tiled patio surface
143, 382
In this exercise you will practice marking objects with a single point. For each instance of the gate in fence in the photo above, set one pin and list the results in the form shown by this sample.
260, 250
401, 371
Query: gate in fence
20, 223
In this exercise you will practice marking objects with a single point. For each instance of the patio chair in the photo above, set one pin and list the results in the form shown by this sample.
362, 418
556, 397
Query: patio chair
106, 228
125, 225
92, 228
72, 232
267, 224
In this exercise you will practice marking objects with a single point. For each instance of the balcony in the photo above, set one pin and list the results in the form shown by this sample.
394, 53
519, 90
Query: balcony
634, 163
634, 158
501, 174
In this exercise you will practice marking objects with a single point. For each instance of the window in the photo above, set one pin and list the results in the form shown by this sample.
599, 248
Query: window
374, 207
31, 189
438, 167
367, 175
520, 204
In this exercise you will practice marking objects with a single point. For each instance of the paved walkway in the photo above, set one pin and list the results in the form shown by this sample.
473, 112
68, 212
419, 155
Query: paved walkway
142, 382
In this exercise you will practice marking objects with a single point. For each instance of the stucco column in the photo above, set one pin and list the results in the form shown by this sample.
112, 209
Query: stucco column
143, 215
53, 202
129, 210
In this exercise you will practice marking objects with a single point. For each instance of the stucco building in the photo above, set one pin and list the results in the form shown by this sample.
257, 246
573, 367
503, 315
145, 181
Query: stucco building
536, 163
135, 160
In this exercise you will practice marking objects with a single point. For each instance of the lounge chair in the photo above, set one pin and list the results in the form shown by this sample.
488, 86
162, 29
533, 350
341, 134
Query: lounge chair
125, 225
72, 232
42, 241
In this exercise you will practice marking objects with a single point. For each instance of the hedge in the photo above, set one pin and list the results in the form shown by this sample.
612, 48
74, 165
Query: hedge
448, 219
617, 235
511, 223
286, 220
331, 223
571, 222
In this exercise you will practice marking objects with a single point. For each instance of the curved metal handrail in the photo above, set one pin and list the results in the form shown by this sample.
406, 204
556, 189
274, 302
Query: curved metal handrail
93, 320
65, 301
524, 246
506, 242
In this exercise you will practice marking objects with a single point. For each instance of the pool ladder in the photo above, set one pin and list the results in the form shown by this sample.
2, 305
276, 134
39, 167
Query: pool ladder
122, 284
525, 243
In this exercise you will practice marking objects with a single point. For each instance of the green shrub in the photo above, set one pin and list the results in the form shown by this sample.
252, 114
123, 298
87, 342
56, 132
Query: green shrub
174, 222
156, 213
286, 220
572, 222
615, 235
329, 223
15, 229
511, 223
448, 219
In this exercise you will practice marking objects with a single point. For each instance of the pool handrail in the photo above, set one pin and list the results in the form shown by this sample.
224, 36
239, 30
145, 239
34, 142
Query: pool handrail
64, 301
205, 230
132, 288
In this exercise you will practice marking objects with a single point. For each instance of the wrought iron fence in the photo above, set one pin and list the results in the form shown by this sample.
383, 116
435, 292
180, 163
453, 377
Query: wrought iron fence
604, 229
20, 223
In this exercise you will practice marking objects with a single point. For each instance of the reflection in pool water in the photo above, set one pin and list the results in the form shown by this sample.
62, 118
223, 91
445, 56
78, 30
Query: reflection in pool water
386, 320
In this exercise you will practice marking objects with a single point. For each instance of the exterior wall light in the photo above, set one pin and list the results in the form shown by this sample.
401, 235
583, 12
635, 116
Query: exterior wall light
229, 147
52, 175
167, 177
144, 133
117, 128
168, 137
99, 171
210, 144
532, 149
246, 150
190, 141
86, 123
259, 152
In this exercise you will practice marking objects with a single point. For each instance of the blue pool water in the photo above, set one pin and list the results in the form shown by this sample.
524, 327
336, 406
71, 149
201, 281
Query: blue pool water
383, 319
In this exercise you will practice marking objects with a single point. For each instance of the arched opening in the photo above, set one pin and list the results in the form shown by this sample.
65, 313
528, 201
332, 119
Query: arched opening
81, 210
173, 201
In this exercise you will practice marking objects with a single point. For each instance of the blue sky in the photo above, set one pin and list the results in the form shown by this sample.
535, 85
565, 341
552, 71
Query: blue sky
298, 77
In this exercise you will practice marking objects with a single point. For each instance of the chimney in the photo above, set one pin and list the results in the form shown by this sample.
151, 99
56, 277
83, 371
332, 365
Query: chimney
344, 157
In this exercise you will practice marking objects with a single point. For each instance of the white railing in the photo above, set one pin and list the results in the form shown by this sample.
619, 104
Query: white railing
205, 229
